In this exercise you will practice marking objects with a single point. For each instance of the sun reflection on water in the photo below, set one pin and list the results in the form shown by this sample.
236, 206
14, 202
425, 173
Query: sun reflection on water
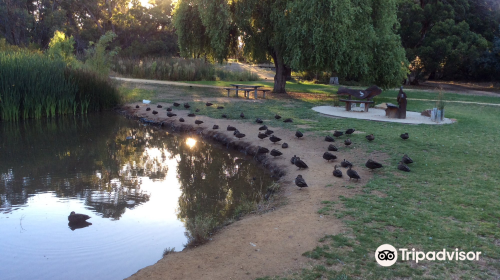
191, 142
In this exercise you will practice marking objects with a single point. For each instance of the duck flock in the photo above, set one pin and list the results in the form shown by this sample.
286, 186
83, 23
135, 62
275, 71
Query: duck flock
264, 132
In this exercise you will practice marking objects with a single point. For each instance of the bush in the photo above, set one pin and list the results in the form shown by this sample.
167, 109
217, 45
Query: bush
199, 230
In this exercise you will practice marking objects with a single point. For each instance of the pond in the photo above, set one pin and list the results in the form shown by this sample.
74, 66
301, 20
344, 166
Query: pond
140, 185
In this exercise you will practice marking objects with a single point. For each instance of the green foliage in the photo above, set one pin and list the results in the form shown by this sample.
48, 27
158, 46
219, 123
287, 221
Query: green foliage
177, 69
33, 85
452, 49
193, 42
446, 39
352, 40
61, 47
98, 57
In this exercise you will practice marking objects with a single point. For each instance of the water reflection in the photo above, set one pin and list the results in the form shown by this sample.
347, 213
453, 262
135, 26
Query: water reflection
140, 185
79, 225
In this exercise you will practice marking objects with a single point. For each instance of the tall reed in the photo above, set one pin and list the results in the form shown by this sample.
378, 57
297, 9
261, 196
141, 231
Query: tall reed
177, 69
34, 86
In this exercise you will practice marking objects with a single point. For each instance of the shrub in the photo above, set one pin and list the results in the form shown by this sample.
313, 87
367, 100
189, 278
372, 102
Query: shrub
199, 230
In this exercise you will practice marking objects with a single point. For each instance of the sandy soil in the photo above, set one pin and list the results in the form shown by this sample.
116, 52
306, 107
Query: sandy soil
272, 243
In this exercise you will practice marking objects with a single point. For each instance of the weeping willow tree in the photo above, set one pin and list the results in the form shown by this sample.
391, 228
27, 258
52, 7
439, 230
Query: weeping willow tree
353, 38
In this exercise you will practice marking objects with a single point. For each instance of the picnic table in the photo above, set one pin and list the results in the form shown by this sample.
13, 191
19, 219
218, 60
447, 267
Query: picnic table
365, 96
246, 89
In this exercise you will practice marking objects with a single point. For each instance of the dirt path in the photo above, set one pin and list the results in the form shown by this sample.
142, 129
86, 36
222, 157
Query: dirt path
272, 243
460, 88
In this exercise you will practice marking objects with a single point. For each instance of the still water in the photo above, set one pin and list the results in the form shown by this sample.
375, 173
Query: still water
140, 186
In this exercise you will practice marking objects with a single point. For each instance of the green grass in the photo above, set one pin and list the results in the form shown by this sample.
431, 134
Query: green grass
449, 200
385, 96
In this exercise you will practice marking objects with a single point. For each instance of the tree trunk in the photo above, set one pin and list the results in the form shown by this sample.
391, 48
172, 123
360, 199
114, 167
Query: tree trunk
281, 73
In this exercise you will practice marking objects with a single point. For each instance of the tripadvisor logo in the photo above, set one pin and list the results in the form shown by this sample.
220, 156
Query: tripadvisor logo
387, 255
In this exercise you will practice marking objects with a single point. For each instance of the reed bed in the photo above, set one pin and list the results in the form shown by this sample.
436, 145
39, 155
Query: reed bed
177, 69
34, 86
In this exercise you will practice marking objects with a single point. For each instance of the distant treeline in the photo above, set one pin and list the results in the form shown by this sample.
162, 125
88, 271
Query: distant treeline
443, 39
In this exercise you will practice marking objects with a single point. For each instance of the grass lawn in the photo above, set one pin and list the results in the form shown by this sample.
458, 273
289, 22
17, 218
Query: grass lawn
449, 200
331, 90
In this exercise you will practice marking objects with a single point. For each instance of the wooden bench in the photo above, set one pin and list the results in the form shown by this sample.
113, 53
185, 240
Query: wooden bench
235, 89
348, 103
248, 90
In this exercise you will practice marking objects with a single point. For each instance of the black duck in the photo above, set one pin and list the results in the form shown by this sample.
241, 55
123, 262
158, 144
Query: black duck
345, 163
347, 142
191, 115
277, 116
406, 159
259, 120
148, 109
239, 135
220, 107
215, 126
298, 134
275, 153
300, 163
300, 182
269, 132
329, 156
155, 112
352, 174
231, 128
404, 136
208, 104
169, 109
284, 146
137, 106
242, 115
236, 131
329, 138
288, 120
187, 106
77, 218
350, 131
176, 104
197, 110
332, 148
224, 116
181, 119
370, 137
262, 150
159, 106
262, 135
337, 172
292, 160
337, 133
373, 164
274, 139
403, 167
198, 122
264, 127
171, 114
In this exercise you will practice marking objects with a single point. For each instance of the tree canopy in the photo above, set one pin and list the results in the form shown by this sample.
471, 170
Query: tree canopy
356, 39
